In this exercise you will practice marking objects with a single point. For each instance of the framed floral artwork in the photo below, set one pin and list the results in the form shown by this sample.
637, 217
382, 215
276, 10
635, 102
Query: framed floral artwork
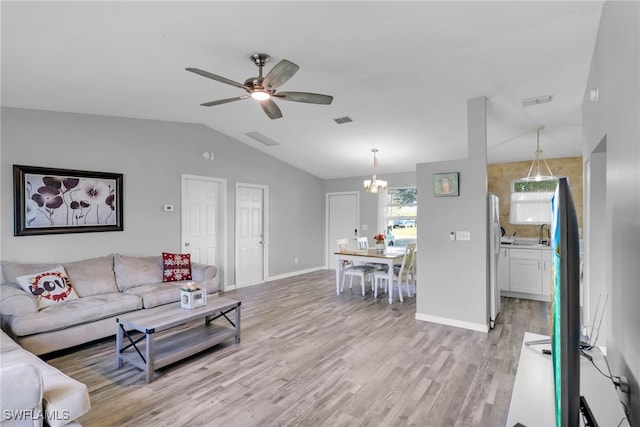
57, 201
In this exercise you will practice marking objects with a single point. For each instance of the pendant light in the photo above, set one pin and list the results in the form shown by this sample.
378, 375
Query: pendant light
373, 185
535, 174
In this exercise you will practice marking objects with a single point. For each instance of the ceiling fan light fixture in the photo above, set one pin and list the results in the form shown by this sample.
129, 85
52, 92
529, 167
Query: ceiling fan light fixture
374, 185
260, 95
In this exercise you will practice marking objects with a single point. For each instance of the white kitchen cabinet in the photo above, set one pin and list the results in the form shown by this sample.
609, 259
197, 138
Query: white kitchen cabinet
503, 269
529, 273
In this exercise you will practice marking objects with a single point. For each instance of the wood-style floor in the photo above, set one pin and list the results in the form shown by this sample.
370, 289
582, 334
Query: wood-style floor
311, 358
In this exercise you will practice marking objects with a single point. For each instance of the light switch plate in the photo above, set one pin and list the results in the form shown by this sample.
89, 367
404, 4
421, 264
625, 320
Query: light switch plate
463, 235
167, 208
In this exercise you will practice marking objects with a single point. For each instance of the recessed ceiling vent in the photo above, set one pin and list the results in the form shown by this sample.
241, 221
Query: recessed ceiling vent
262, 139
343, 120
527, 102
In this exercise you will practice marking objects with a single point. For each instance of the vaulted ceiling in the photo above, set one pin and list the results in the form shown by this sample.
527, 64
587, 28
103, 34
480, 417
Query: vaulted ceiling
402, 71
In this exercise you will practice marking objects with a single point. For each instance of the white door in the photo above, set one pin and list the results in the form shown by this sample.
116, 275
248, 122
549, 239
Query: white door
250, 234
203, 201
342, 222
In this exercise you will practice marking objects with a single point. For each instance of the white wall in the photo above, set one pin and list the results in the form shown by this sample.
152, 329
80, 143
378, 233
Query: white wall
452, 275
615, 70
153, 155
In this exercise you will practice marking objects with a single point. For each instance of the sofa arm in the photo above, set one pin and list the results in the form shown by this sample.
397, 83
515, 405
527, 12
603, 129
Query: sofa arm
21, 395
201, 272
14, 301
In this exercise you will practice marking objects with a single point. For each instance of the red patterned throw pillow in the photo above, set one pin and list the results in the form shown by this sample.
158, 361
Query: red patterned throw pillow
49, 287
176, 267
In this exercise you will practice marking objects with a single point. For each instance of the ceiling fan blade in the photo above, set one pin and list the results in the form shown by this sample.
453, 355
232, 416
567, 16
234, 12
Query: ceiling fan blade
280, 73
224, 101
271, 109
216, 77
311, 98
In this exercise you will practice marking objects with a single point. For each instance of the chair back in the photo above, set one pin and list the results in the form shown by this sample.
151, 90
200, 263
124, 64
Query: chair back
408, 260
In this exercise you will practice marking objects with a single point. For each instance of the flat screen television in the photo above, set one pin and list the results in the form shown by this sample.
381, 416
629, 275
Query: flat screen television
565, 306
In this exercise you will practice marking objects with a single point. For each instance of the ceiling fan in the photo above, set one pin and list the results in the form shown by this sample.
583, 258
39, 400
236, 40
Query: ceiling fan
265, 88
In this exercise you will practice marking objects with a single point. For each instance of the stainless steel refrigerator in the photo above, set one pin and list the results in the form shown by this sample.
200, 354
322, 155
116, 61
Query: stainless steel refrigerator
494, 236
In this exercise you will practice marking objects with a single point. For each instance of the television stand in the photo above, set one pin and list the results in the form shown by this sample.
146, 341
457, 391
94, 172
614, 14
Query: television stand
532, 400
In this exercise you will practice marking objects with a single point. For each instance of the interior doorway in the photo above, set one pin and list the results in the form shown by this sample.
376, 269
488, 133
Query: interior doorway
342, 213
203, 221
251, 234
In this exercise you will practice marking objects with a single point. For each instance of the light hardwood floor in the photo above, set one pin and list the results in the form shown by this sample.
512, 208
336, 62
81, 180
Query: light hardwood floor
311, 358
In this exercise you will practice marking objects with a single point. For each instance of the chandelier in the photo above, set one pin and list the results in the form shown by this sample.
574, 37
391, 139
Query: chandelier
535, 173
373, 185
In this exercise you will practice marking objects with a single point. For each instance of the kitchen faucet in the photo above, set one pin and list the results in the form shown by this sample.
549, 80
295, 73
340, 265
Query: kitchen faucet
540, 240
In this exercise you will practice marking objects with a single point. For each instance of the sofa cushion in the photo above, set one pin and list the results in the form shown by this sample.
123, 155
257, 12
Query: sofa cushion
11, 270
50, 287
92, 276
158, 294
79, 311
176, 267
6, 343
64, 399
132, 271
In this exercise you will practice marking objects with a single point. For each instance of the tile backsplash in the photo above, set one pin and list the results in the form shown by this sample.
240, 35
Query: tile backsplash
500, 175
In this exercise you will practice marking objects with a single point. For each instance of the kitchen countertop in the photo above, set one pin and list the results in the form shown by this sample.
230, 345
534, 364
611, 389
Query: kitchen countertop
523, 243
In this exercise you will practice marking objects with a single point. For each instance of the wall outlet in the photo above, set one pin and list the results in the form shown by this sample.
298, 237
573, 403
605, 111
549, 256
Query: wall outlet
365, 227
295, 260
452, 235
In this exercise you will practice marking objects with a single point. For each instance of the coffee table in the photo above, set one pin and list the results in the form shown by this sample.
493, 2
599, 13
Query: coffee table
153, 349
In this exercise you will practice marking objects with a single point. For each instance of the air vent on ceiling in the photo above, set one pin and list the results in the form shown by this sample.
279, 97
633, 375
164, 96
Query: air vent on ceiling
262, 139
343, 120
527, 102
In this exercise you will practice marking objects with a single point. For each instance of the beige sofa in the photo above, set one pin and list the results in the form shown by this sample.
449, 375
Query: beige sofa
32, 392
106, 288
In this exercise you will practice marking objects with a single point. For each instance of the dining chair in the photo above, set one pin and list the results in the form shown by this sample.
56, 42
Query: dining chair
350, 269
401, 274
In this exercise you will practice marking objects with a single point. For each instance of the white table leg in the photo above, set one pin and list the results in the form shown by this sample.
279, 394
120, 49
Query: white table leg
390, 281
338, 262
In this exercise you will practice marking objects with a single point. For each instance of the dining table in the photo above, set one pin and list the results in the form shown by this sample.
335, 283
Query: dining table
389, 256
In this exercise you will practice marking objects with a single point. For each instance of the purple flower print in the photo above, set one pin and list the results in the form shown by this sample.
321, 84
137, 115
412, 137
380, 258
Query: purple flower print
49, 196
58, 182
48, 199
31, 211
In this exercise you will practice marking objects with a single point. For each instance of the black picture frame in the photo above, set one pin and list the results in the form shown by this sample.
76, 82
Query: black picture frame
61, 201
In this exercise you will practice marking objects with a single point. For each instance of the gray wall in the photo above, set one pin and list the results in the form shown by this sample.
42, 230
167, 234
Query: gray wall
452, 288
614, 70
153, 155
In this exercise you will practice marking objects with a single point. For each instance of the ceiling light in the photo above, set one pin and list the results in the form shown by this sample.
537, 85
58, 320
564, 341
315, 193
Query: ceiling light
260, 95
527, 102
374, 185
534, 171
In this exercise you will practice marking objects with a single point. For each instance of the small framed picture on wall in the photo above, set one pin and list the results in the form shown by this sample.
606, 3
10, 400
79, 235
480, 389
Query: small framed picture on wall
446, 184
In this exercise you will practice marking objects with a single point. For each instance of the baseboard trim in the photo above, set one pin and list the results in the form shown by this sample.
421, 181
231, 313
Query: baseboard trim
295, 273
453, 322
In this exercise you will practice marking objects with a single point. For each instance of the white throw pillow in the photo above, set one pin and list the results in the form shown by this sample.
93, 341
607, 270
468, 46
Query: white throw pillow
49, 287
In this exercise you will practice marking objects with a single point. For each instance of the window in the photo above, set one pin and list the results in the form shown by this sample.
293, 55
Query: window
400, 213
531, 201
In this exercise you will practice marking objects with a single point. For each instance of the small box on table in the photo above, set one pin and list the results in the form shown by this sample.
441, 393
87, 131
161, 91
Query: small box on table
192, 297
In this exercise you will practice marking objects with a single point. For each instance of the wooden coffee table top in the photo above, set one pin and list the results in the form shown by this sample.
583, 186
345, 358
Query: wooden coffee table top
170, 315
